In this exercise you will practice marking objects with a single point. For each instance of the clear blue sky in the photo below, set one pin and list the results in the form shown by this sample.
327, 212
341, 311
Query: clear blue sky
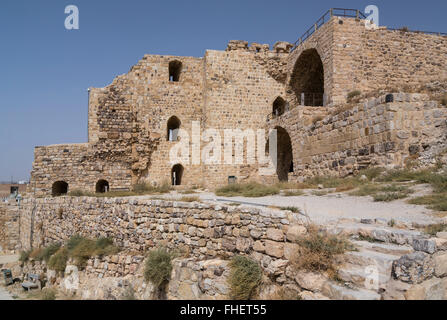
46, 69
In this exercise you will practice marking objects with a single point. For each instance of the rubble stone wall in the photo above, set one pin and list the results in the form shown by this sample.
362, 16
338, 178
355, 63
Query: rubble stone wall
205, 230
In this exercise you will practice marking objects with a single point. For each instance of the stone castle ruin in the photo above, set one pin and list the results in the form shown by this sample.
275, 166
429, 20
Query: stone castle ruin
303, 90
344, 97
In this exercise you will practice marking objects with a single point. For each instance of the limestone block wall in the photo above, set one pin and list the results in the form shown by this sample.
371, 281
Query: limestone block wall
357, 58
79, 165
205, 230
9, 227
239, 95
372, 133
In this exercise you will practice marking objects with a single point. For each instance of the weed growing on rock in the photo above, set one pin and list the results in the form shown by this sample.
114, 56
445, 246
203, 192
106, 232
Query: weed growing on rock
245, 276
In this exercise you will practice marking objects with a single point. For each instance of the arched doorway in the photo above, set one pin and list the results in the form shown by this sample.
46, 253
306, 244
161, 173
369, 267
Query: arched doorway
307, 81
176, 175
279, 107
173, 127
102, 186
59, 188
284, 154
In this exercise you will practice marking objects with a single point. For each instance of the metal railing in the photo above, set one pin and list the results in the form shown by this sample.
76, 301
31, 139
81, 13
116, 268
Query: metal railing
311, 99
347, 13
333, 12
404, 29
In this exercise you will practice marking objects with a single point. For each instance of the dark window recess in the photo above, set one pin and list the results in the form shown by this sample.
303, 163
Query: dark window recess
389, 98
175, 69
232, 180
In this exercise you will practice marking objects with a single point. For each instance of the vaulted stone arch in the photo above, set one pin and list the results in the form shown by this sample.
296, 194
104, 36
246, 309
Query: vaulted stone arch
307, 79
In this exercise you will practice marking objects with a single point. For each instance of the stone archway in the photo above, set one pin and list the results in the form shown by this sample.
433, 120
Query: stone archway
176, 175
307, 80
284, 154
59, 188
102, 186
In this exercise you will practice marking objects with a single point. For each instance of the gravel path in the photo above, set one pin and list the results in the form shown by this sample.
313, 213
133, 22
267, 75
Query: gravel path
332, 208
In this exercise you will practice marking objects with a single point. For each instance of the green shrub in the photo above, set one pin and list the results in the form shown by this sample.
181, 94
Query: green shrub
293, 193
389, 196
433, 229
58, 261
104, 247
353, 94
293, 209
87, 248
48, 251
251, 189
24, 255
190, 199
434, 201
318, 250
245, 276
158, 267
74, 241
48, 294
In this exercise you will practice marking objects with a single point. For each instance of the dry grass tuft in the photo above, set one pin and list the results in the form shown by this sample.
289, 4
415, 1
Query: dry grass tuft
318, 250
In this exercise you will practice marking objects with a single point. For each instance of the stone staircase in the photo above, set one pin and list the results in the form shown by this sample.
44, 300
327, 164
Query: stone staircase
372, 259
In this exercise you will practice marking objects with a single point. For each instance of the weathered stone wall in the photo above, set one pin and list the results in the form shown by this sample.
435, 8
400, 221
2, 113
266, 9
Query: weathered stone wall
357, 58
372, 133
205, 230
9, 227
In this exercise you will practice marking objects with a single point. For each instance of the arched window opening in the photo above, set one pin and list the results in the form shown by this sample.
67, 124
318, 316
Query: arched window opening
279, 107
175, 69
307, 79
173, 127
59, 188
176, 175
102, 186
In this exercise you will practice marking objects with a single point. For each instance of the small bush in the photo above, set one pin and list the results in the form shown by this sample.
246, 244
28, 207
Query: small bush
58, 261
435, 201
293, 209
353, 94
389, 196
24, 255
245, 276
86, 248
146, 188
295, 193
252, 189
318, 250
433, 229
158, 267
44, 254
190, 199
48, 294
74, 241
